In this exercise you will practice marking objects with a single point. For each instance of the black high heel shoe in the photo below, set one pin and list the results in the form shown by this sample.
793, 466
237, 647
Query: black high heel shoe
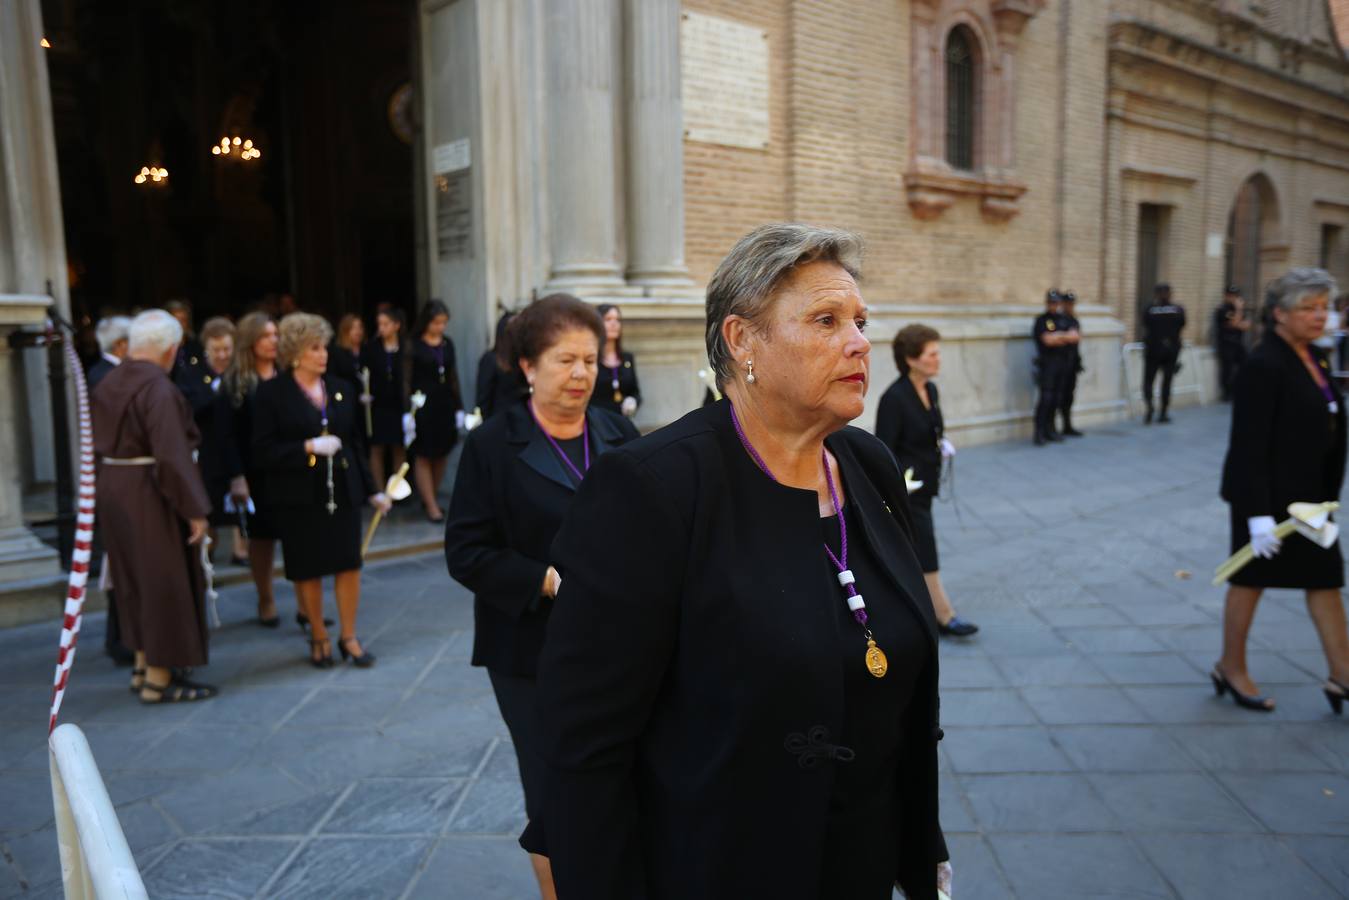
1247, 701
304, 622
321, 653
364, 661
1336, 693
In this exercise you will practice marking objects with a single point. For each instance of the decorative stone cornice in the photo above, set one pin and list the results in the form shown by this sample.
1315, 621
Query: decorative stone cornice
932, 186
1011, 16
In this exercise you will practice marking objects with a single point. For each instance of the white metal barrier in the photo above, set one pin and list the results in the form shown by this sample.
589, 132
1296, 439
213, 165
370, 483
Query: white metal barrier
96, 863
1131, 361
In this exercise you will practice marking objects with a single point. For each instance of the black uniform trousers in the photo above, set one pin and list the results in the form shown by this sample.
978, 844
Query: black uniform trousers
1068, 394
1052, 377
1151, 366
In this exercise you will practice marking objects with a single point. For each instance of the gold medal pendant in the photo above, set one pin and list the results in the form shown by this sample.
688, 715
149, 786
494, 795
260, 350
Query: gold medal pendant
877, 664
618, 397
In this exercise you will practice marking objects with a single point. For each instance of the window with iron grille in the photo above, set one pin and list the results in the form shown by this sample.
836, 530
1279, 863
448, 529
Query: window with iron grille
960, 99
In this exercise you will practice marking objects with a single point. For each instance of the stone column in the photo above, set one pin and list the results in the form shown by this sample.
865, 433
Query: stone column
655, 144
580, 144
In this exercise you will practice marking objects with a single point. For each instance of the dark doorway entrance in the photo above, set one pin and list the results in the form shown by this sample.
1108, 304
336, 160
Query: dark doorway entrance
1147, 273
323, 211
1253, 256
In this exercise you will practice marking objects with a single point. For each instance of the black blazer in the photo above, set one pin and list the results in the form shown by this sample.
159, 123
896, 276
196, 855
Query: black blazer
510, 495
284, 418
911, 431
1285, 444
691, 651
96, 373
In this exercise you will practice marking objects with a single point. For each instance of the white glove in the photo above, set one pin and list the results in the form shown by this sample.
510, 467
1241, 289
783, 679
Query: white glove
381, 502
325, 445
409, 429
1263, 541
473, 419
944, 878
459, 419
948, 449
629, 406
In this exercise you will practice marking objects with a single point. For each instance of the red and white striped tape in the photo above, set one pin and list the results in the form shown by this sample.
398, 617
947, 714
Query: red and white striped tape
84, 536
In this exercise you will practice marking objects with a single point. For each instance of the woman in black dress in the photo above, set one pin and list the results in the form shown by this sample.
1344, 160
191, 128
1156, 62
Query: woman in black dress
616, 388
714, 693
344, 353
390, 366
518, 475
436, 377
310, 441
254, 364
1287, 445
909, 422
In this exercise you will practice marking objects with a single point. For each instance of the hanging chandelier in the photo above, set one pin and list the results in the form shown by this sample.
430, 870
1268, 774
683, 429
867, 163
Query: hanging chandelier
236, 147
152, 175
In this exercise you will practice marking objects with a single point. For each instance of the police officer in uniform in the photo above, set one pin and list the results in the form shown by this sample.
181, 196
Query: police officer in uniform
1053, 341
1072, 327
1162, 324
1229, 337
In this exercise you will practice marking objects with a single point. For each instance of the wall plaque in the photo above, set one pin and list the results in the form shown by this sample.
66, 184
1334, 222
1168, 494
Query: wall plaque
451, 157
725, 81
454, 215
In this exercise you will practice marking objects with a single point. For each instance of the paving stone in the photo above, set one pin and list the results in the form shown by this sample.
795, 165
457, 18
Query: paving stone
1248, 748
1074, 705
1147, 668
225, 868
1011, 749
207, 802
1124, 639
1122, 748
476, 869
1233, 867
1294, 804
1082, 865
380, 806
1062, 803
954, 811
970, 672
1328, 856
491, 806
1171, 801
355, 868
1056, 669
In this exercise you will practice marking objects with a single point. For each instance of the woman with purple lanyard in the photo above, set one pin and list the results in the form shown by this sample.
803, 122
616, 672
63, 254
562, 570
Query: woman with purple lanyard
1287, 445
436, 376
616, 389
738, 693
518, 475
386, 357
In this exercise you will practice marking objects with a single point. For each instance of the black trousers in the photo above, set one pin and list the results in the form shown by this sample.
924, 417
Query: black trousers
1052, 379
1229, 361
1151, 366
1068, 394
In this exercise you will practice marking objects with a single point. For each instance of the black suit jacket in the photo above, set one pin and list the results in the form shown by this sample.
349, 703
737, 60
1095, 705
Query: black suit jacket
284, 418
911, 432
1285, 444
97, 372
692, 651
510, 494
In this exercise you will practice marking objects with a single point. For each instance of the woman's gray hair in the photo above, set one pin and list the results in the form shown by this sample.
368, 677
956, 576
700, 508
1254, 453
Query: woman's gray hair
112, 329
298, 332
153, 330
744, 283
1295, 285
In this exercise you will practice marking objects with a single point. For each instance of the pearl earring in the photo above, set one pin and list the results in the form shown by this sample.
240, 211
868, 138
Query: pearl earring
531, 387
749, 379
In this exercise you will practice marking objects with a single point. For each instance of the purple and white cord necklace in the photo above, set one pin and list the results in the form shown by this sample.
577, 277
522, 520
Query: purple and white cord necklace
876, 662
566, 460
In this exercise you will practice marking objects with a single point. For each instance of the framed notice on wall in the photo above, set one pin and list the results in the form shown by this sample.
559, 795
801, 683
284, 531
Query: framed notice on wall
452, 163
725, 81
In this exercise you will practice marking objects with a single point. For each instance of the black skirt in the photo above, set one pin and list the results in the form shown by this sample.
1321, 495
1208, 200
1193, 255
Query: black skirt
515, 698
261, 523
924, 532
386, 426
1300, 563
315, 544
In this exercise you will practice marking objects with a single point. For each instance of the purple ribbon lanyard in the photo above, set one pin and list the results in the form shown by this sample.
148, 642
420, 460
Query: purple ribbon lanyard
566, 460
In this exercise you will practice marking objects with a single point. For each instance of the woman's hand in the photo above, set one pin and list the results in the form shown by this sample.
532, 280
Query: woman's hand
948, 449
629, 406
323, 445
944, 877
239, 489
552, 583
1264, 543
381, 502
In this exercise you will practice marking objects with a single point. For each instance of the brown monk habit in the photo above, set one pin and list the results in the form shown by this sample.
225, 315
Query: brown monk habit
143, 512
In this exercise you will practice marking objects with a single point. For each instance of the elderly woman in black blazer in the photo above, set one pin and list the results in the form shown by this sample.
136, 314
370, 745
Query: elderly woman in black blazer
910, 423
1287, 444
725, 715
309, 440
518, 475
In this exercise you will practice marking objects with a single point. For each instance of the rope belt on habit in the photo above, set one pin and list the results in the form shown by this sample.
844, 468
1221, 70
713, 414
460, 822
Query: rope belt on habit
129, 461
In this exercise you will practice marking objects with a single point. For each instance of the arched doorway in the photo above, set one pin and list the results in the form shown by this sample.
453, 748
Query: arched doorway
1254, 252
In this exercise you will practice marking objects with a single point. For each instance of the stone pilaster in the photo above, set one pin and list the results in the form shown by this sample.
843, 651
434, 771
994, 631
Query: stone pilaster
655, 146
580, 144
